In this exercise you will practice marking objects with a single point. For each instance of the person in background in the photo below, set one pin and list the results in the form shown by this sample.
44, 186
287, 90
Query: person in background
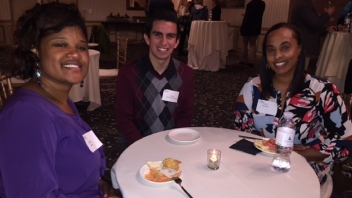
198, 11
312, 26
44, 143
155, 92
184, 26
341, 20
250, 30
155, 5
216, 10
190, 5
323, 126
340, 27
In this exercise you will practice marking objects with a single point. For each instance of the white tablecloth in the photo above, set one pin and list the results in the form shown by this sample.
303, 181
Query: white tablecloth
240, 174
208, 45
334, 58
90, 92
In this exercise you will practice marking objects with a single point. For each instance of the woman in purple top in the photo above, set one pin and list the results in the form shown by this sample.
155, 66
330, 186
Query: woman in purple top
46, 149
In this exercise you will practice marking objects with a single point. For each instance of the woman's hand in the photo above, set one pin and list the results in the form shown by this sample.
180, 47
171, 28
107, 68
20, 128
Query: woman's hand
310, 153
107, 189
300, 147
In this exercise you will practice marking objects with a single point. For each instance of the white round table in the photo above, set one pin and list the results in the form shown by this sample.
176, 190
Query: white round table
334, 58
90, 92
208, 45
239, 175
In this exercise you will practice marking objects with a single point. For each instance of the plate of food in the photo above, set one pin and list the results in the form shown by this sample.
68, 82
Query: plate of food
159, 173
266, 145
184, 135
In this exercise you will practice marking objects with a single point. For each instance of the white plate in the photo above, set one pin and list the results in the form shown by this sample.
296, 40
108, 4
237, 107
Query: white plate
184, 135
258, 144
144, 170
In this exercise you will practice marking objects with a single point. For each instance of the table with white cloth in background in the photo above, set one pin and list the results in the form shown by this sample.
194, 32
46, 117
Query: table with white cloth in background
240, 174
334, 58
208, 45
90, 92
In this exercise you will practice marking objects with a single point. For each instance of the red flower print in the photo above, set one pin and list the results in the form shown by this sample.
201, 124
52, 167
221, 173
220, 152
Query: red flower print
298, 100
250, 121
317, 146
345, 152
311, 133
334, 88
329, 105
238, 115
276, 121
309, 115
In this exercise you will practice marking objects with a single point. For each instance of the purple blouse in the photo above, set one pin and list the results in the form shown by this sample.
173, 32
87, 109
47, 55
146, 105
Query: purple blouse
43, 153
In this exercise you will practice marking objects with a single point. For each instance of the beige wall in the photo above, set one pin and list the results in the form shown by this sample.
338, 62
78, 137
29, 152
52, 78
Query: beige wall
11, 10
97, 11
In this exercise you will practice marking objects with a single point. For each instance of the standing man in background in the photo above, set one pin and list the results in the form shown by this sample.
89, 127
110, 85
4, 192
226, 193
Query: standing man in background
311, 25
216, 10
250, 30
341, 20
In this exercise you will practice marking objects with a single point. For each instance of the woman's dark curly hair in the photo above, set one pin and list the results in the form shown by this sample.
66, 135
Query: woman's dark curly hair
36, 24
266, 75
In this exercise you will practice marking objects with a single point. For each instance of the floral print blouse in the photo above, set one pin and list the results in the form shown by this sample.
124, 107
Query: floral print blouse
319, 113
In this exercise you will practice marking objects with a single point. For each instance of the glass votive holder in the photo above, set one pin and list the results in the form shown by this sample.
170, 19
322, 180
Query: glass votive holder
213, 159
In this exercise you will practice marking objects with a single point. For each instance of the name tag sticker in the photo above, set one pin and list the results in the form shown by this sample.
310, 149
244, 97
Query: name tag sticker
267, 107
92, 141
170, 95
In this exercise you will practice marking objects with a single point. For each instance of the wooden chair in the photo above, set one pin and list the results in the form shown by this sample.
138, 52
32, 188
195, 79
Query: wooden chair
122, 44
6, 89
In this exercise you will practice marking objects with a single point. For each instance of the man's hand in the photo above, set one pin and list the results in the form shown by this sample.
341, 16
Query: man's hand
331, 28
330, 10
340, 27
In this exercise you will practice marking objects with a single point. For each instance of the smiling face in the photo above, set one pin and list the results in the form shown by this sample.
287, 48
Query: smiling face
162, 41
282, 51
64, 57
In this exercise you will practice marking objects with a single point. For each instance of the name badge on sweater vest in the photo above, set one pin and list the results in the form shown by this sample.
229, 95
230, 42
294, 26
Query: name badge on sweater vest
267, 107
170, 96
92, 141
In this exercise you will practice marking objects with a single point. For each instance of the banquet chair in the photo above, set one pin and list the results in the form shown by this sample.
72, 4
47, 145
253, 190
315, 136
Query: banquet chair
122, 44
326, 188
6, 89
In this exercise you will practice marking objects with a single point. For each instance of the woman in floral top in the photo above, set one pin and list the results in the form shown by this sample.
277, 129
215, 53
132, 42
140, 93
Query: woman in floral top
323, 125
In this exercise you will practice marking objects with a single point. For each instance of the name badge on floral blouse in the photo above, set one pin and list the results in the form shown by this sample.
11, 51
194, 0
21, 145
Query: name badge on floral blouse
267, 107
92, 141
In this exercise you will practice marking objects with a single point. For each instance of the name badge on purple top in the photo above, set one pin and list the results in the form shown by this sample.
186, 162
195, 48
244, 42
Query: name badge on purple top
92, 141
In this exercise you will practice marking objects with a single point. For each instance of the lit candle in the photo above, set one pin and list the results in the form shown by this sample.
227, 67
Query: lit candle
213, 158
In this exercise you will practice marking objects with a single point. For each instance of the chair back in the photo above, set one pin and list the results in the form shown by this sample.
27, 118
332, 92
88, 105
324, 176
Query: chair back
122, 44
6, 89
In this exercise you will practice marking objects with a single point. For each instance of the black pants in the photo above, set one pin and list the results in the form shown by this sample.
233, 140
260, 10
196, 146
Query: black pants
348, 80
183, 35
181, 45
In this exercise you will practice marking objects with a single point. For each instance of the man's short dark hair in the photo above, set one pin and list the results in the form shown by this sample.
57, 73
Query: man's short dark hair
161, 15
